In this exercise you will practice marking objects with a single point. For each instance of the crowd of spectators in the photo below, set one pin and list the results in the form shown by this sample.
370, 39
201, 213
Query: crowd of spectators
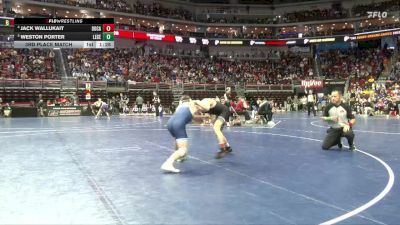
360, 63
156, 9
123, 65
394, 74
336, 11
370, 95
238, 34
151, 64
27, 64
371, 98
384, 6
118, 5
139, 7
94, 65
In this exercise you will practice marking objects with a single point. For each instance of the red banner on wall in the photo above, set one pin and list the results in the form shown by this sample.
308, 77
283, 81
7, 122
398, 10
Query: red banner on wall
144, 36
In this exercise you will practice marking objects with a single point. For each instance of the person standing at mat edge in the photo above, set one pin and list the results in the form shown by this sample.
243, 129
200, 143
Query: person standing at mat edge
341, 120
311, 103
156, 102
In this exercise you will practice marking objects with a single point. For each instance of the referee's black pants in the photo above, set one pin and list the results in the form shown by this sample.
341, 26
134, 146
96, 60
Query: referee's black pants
267, 116
334, 135
156, 105
310, 106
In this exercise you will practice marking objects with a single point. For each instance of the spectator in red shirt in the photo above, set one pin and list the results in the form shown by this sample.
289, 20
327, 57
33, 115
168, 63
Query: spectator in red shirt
241, 108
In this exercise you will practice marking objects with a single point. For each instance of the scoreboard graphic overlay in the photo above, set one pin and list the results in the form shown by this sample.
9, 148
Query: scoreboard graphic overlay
63, 33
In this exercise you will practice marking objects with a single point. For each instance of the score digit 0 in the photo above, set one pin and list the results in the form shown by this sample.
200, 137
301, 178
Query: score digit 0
108, 27
108, 36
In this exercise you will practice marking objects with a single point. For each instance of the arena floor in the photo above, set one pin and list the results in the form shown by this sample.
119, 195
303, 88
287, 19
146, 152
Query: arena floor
78, 170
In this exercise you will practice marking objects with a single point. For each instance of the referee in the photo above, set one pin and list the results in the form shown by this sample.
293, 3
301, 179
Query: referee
265, 111
311, 103
341, 119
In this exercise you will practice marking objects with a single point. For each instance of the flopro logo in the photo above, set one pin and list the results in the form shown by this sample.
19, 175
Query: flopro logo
376, 14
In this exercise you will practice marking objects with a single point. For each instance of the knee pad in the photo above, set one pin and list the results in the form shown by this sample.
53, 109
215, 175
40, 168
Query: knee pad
181, 152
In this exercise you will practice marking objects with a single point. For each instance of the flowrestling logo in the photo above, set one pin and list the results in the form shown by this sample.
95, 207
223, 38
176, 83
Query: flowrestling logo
377, 14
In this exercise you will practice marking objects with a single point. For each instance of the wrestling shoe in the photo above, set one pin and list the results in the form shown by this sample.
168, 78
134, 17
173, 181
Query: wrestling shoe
169, 168
223, 152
